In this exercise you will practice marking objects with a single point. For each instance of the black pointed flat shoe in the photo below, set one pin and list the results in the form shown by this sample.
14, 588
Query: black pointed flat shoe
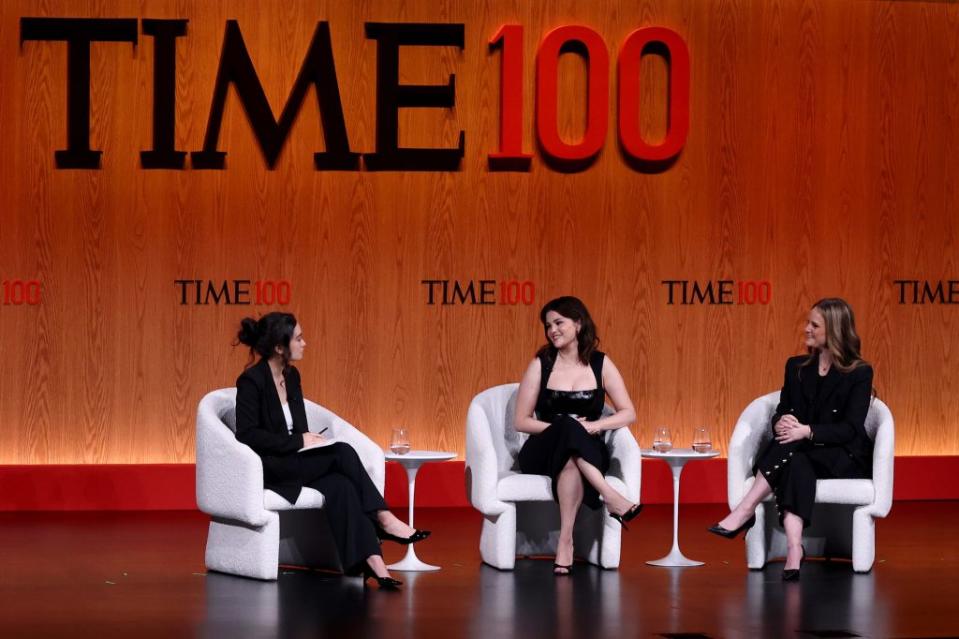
716, 529
418, 535
628, 516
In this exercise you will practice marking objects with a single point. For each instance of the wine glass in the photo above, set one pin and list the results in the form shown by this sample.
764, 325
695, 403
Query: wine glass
701, 441
400, 441
662, 442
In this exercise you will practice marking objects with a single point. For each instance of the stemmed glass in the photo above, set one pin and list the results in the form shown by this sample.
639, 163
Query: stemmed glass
701, 441
662, 442
400, 441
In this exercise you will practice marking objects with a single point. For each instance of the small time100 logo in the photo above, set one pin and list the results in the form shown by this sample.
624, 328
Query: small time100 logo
444, 292
233, 292
717, 292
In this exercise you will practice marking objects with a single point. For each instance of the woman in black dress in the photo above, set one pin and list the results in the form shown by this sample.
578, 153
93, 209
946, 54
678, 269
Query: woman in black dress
819, 428
560, 403
271, 419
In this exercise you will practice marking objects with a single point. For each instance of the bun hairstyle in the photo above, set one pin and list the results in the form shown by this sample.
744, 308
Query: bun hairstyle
265, 334
587, 341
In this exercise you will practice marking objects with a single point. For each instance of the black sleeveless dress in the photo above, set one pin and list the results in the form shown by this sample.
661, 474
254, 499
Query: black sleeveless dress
547, 452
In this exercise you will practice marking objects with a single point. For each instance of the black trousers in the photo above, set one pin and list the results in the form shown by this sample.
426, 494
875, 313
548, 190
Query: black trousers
352, 500
792, 470
547, 452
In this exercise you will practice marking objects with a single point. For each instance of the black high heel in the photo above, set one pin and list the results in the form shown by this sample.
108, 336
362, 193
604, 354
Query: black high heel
568, 569
792, 574
716, 529
418, 535
627, 516
384, 583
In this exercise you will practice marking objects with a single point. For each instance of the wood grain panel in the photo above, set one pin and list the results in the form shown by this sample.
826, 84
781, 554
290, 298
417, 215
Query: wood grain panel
819, 158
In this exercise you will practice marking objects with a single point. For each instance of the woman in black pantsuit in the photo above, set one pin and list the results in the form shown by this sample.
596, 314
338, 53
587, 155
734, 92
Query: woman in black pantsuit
819, 428
271, 419
560, 403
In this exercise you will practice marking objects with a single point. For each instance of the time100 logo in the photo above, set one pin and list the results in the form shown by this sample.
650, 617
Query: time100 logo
718, 292
479, 292
233, 292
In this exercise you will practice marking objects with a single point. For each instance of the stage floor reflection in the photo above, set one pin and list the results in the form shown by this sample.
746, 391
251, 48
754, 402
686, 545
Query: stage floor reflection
142, 574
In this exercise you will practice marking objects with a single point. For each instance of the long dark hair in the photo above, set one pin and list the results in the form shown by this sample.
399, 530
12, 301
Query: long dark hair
265, 334
572, 308
842, 340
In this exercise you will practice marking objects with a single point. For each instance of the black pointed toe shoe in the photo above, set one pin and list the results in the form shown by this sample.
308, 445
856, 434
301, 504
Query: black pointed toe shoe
384, 583
418, 535
716, 529
628, 516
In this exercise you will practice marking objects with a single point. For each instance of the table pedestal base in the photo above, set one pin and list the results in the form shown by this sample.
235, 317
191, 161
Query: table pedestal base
412, 563
674, 559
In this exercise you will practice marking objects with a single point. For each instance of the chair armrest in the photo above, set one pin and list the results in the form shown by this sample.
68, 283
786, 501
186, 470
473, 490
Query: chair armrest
883, 461
482, 475
229, 475
748, 436
624, 449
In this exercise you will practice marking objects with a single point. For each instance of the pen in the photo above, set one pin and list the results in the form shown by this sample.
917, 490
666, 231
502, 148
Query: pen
323, 431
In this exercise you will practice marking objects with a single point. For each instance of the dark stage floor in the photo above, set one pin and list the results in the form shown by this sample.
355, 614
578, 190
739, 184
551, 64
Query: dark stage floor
142, 574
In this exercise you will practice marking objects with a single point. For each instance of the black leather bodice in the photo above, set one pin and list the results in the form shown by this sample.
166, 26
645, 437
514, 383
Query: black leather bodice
580, 403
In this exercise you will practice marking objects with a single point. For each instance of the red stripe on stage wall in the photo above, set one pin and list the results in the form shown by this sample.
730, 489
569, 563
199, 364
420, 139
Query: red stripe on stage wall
172, 486
98, 487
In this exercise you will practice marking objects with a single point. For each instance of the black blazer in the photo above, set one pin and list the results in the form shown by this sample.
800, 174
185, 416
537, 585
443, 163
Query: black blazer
260, 424
838, 416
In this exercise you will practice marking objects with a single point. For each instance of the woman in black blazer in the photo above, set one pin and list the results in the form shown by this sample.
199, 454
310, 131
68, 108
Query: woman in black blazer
819, 429
271, 419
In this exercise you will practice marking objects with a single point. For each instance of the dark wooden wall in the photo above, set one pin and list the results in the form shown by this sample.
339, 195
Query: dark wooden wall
821, 157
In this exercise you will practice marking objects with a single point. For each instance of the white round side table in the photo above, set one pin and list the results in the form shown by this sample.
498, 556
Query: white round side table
411, 462
677, 458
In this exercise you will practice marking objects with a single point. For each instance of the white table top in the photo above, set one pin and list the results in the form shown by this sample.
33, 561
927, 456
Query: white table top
678, 453
420, 455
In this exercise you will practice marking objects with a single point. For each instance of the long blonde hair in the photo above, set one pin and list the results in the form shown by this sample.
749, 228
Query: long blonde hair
842, 340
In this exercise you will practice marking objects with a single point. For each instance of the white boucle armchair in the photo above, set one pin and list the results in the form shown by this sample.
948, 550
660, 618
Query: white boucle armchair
253, 530
846, 509
519, 514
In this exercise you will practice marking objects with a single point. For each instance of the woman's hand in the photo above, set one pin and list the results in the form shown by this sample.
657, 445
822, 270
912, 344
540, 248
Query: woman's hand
788, 429
593, 428
784, 423
312, 439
